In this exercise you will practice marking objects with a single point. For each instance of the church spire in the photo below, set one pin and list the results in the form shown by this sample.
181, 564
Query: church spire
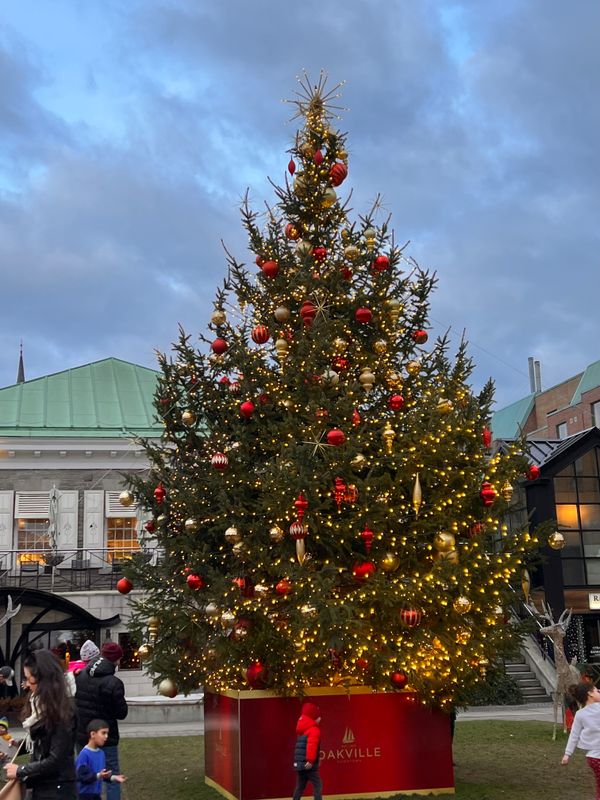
21, 370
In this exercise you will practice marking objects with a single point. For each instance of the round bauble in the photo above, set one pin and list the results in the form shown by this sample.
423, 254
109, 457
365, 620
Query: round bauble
330, 377
298, 530
319, 254
363, 315
218, 317
167, 688
219, 461
191, 525
411, 617
533, 473
126, 499
556, 540
336, 437
358, 462
420, 336
261, 590
396, 402
232, 535
339, 344
380, 346
413, 367
329, 197
219, 346
227, 619
398, 679
444, 542
338, 173
380, 264
444, 406
363, 570
304, 248
247, 409
256, 675
145, 650
351, 252
281, 313
462, 605
124, 586
449, 557
283, 587
463, 636
160, 494
194, 581
292, 231
188, 418
390, 562
211, 611
270, 268
276, 534
260, 334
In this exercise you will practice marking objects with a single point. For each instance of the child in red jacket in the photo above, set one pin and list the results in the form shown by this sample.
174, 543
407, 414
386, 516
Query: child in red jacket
307, 751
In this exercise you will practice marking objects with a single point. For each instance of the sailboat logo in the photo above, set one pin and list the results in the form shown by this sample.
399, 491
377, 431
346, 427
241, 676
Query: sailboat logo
349, 737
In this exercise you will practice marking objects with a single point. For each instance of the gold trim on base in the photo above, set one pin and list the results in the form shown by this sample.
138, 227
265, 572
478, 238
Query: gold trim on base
364, 796
217, 787
311, 691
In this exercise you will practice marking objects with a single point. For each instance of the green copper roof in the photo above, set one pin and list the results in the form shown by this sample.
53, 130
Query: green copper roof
108, 398
589, 380
507, 422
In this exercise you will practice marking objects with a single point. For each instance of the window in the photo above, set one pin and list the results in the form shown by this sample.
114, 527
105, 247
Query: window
561, 430
596, 414
131, 659
121, 537
32, 535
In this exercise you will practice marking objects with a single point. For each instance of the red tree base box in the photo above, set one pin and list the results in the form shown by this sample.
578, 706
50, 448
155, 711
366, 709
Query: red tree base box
372, 744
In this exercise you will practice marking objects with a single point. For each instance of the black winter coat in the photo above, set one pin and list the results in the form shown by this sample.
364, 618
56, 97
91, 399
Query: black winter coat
100, 695
51, 772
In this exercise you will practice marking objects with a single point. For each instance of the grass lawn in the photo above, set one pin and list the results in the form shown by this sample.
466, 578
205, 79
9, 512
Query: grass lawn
495, 761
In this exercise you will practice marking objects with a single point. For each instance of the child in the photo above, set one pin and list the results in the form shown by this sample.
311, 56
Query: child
91, 763
585, 732
4, 734
307, 751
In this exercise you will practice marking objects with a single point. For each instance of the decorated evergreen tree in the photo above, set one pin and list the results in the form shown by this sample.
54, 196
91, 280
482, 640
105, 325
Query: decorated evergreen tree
325, 502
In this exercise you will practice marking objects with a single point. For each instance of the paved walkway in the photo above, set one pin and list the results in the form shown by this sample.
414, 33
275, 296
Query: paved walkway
541, 712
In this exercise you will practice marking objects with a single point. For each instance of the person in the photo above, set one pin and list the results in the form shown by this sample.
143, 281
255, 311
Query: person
91, 763
307, 751
7, 687
88, 651
588, 677
49, 728
585, 732
4, 734
101, 695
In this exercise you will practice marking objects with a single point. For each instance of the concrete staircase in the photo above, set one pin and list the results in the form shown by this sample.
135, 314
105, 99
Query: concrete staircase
531, 688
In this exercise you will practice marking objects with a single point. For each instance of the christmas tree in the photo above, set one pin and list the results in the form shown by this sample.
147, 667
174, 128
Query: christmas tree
324, 498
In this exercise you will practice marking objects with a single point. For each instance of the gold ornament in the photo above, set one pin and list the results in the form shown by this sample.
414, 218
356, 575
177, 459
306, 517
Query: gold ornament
126, 499
390, 562
394, 380
329, 197
367, 379
358, 462
283, 349
211, 611
282, 313
330, 377
450, 557
308, 610
394, 308
370, 235
413, 367
507, 491
463, 636
388, 436
444, 542
556, 540
261, 591
276, 534
351, 252
153, 625
238, 549
417, 497
380, 346
339, 345
300, 551
288, 404
188, 418
167, 688
525, 584
444, 406
232, 535
227, 619
145, 650
307, 149
191, 525
303, 248
462, 605
300, 185
219, 317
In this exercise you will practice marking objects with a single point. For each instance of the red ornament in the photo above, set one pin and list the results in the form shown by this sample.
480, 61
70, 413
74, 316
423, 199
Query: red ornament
224, 381
219, 462
234, 387
160, 494
297, 530
487, 493
270, 268
292, 232
284, 587
338, 173
219, 346
346, 273
308, 313
339, 492
194, 581
301, 504
319, 254
340, 363
410, 617
260, 334
124, 586
367, 536
363, 315
399, 679
150, 526
363, 570
264, 399
355, 417
380, 264
247, 409
256, 675
351, 495
396, 402
533, 473
362, 663
420, 336
486, 437
291, 166
318, 158
336, 437
259, 261
475, 529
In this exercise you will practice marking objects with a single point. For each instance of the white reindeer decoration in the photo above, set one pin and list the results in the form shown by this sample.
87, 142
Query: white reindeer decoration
566, 674
10, 611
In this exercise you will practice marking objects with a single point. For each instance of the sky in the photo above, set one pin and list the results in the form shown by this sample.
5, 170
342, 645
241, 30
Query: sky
130, 130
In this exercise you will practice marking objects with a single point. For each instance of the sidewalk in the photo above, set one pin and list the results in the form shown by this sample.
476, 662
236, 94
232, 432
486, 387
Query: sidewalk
537, 712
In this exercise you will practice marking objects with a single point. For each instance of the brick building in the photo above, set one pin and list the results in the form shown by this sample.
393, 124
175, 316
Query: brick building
65, 441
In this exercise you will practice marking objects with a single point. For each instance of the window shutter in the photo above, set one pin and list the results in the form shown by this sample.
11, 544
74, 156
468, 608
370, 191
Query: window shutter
7, 499
32, 505
94, 534
68, 502
115, 509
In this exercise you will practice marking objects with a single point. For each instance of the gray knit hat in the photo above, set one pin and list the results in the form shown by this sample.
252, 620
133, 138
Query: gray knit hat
88, 651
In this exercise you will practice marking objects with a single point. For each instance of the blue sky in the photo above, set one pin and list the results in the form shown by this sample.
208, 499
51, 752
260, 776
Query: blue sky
129, 130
